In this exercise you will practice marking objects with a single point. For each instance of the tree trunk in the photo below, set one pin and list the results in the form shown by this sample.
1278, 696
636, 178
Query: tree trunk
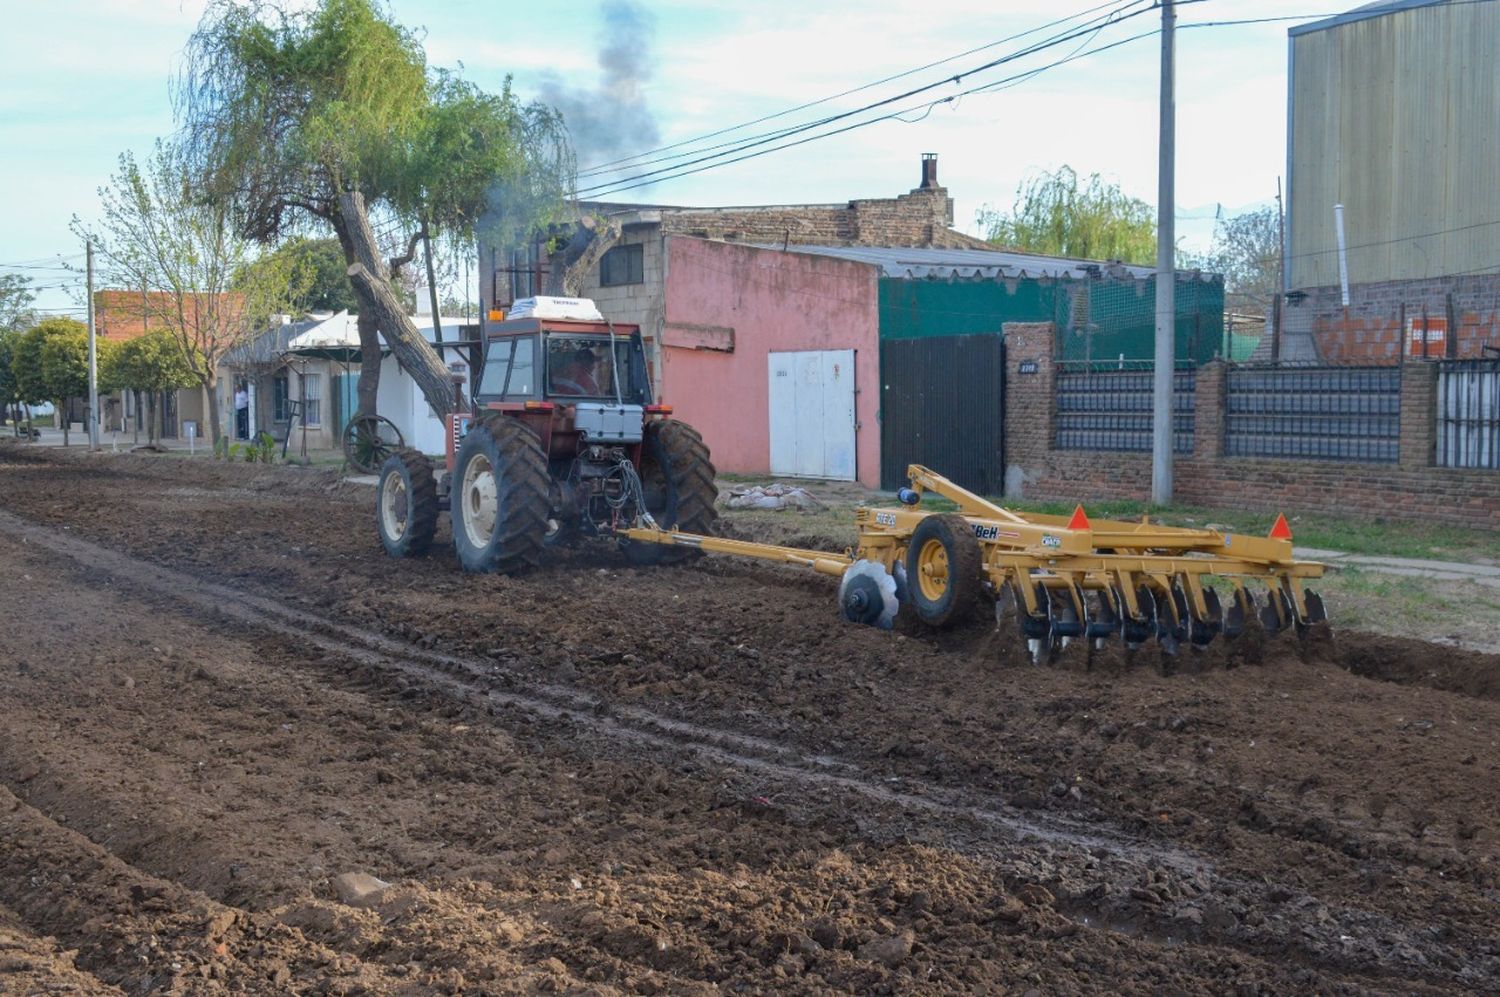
151, 417
63, 417
372, 283
432, 295
415, 355
211, 390
135, 423
369, 360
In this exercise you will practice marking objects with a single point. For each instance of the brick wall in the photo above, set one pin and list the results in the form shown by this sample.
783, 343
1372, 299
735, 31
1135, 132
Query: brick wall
1412, 489
923, 217
1371, 328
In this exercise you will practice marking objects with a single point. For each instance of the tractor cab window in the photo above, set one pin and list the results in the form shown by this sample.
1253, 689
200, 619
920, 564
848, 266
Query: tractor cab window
509, 369
580, 367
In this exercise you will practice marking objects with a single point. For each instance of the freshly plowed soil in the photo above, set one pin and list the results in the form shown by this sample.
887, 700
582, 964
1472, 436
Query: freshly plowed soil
217, 694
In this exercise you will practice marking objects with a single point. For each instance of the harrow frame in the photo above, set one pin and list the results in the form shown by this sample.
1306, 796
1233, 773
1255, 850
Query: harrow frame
1144, 578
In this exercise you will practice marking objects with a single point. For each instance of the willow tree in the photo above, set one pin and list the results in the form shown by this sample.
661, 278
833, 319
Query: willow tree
328, 116
1060, 215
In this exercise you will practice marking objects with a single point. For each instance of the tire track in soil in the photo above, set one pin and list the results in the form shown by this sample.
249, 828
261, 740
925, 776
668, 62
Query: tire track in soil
476, 679
989, 832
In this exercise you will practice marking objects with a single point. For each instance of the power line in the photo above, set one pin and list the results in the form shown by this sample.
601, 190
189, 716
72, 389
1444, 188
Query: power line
896, 115
618, 164
42, 263
1116, 16
1379, 242
727, 157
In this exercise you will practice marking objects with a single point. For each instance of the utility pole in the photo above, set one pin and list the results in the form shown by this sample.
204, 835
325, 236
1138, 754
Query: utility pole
88, 249
1166, 274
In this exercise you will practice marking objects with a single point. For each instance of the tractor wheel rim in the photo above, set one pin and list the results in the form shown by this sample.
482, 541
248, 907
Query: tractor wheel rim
393, 506
932, 570
480, 501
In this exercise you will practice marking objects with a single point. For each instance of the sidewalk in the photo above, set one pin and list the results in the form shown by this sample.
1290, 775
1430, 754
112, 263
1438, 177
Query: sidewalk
111, 442
1483, 574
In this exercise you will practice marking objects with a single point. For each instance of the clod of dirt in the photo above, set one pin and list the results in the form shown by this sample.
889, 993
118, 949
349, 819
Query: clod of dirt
1035, 895
889, 950
359, 889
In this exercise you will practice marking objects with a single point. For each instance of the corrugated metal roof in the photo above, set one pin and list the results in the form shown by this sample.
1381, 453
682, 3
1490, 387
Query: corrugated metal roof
1378, 9
970, 264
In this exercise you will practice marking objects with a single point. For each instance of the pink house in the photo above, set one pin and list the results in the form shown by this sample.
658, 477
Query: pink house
740, 321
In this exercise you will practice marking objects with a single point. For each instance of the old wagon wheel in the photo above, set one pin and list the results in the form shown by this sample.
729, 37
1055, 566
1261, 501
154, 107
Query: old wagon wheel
369, 440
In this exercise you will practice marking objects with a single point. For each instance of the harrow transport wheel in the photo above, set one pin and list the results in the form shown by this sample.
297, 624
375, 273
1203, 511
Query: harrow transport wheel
406, 504
499, 496
677, 478
943, 568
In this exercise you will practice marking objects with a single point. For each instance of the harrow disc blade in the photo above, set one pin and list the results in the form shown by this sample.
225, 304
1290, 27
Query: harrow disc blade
867, 594
1063, 615
1036, 627
1104, 616
1276, 613
1202, 632
1316, 612
1137, 631
1240, 609
1172, 621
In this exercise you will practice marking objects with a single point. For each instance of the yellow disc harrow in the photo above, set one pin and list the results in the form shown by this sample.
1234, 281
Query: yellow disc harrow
1060, 578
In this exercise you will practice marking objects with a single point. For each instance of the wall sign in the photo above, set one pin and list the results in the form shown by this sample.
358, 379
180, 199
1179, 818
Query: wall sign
1026, 367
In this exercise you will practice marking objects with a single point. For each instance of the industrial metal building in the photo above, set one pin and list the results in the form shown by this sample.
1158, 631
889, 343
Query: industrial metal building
1392, 114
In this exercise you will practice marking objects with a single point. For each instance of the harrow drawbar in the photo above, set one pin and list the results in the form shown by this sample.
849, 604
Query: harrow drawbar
1055, 579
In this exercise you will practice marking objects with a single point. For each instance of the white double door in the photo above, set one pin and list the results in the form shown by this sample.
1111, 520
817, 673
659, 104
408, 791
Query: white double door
812, 414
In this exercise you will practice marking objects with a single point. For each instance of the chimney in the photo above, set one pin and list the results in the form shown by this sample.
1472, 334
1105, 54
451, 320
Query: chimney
929, 171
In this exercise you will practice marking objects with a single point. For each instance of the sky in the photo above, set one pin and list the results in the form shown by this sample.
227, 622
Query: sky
82, 81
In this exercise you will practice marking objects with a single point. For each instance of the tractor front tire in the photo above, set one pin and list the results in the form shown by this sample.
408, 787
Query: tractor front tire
406, 504
677, 478
944, 568
499, 497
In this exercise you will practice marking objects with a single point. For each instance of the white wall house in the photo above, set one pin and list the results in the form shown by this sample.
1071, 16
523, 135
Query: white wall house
302, 363
401, 401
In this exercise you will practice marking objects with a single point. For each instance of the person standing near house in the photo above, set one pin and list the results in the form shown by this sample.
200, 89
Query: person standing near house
242, 412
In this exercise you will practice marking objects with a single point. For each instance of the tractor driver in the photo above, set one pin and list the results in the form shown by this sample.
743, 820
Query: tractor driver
577, 376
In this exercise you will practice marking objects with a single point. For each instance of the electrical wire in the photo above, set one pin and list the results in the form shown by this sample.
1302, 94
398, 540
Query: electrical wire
1116, 16
617, 165
727, 158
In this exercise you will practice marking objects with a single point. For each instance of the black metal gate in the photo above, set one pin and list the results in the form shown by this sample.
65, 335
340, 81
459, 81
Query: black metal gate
942, 404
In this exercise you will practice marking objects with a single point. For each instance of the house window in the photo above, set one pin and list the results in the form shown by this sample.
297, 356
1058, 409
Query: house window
312, 396
622, 265
281, 397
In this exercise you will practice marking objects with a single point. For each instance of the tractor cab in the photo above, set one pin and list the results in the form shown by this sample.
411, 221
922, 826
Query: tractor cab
575, 383
569, 363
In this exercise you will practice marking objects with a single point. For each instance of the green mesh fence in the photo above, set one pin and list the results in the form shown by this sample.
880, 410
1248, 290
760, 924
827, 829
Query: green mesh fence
1098, 319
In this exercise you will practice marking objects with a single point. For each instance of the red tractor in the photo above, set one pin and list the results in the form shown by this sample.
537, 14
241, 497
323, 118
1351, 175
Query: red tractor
564, 442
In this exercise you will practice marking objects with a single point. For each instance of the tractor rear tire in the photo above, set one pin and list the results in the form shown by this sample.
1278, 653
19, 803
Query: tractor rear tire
677, 477
944, 569
406, 504
499, 497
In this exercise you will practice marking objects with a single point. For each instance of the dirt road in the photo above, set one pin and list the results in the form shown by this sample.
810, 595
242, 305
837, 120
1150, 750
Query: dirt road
217, 694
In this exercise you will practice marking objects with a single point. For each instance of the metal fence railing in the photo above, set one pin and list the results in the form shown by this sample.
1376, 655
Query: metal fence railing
1107, 407
1314, 413
1468, 414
